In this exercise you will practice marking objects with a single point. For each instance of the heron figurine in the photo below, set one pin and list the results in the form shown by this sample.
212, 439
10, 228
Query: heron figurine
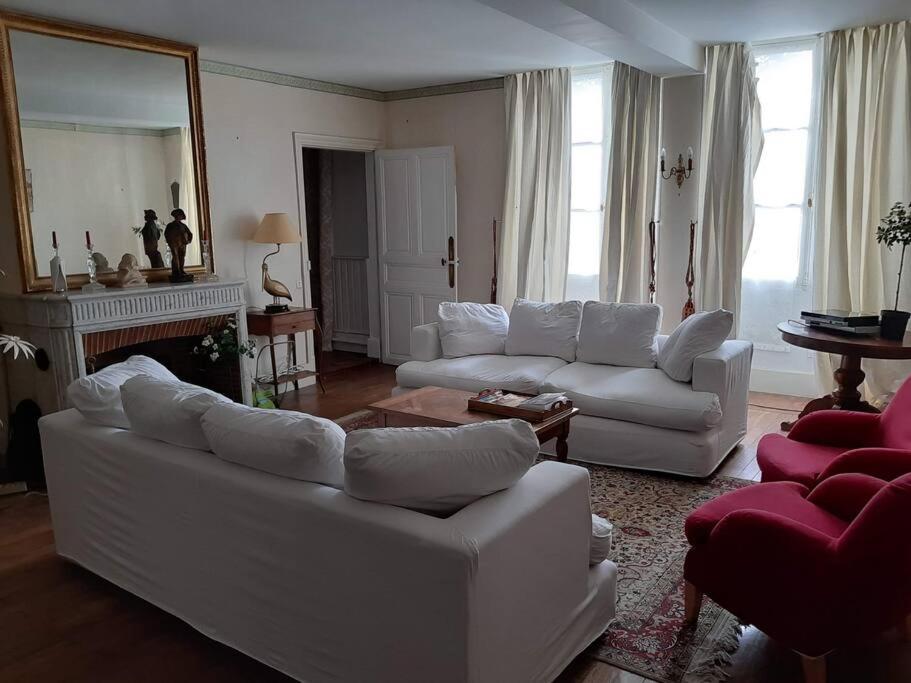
275, 228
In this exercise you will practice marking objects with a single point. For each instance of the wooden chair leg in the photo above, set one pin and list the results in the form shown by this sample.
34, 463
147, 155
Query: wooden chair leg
692, 603
814, 669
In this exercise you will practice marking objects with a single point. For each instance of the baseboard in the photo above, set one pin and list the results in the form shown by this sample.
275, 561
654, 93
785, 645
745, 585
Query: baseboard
351, 347
781, 382
373, 347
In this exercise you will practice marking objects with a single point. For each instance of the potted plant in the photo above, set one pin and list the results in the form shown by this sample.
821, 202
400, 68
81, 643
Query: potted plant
895, 229
217, 353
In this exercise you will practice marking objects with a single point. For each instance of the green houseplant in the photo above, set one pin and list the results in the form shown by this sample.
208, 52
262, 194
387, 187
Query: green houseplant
895, 230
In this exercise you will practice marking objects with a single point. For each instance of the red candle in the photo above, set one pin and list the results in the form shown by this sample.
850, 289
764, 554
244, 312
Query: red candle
54, 238
88, 240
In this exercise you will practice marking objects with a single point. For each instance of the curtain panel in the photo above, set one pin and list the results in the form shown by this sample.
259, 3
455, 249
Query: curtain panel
864, 168
730, 150
631, 185
534, 239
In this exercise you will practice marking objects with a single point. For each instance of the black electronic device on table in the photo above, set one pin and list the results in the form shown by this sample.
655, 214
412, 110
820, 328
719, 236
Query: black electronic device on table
837, 320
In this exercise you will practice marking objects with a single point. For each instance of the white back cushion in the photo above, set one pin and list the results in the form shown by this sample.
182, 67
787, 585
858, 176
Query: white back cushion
286, 443
168, 411
698, 334
539, 329
437, 469
97, 396
619, 334
469, 329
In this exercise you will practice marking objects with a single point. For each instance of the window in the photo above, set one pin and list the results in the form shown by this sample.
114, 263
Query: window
590, 143
776, 272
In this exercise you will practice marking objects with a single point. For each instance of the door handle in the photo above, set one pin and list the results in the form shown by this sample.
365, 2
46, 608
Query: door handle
451, 262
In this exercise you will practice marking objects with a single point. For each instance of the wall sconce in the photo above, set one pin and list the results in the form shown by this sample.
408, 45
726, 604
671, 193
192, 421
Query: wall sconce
679, 171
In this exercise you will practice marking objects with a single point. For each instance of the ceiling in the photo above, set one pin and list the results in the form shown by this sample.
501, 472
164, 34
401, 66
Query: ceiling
399, 44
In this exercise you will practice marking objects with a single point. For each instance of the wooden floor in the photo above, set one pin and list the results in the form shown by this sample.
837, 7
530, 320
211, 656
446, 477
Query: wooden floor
61, 623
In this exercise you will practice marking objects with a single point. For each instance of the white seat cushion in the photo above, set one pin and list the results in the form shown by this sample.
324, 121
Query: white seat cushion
282, 442
473, 373
437, 469
643, 395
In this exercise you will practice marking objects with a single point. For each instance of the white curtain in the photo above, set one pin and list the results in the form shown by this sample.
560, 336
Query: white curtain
731, 147
534, 238
631, 178
864, 168
188, 195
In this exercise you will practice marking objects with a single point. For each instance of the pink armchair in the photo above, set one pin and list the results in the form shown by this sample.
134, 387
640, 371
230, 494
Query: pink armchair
829, 441
814, 570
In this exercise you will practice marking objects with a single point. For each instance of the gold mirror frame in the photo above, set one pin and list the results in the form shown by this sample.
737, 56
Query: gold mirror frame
31, 281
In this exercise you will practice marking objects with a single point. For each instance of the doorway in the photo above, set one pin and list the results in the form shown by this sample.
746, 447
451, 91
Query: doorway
338, 245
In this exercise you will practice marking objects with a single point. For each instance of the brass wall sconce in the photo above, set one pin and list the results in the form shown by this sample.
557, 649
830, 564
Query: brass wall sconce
680, 172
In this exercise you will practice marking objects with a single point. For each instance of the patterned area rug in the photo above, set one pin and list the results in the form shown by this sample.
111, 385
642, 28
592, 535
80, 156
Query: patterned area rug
647, 637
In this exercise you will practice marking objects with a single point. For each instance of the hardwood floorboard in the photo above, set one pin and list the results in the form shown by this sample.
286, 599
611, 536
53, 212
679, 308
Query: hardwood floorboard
62, 623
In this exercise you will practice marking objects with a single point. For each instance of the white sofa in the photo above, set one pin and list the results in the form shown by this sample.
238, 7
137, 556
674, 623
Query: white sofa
325, 587
630, 417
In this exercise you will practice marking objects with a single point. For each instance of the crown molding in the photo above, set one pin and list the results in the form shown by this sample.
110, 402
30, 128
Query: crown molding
348, 90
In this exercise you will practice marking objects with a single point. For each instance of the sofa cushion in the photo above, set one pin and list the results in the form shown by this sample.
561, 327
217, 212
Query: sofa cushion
643, 395
473, 373
619, 334
698, 334
97, 396
168, 411
539, 329
470, 329
437, 469
282, 442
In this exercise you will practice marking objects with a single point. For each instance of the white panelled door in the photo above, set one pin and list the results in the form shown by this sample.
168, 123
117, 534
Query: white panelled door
416, 230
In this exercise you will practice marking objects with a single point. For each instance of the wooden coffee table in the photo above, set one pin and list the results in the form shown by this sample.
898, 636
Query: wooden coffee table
440, 407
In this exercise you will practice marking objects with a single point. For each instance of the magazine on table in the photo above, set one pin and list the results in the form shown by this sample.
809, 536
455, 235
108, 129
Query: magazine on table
541, 403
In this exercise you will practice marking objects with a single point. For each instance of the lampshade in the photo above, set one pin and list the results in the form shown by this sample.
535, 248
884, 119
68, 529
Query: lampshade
276, 228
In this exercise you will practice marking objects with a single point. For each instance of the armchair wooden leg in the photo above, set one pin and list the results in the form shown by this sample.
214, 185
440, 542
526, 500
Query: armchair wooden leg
692, 603
814, 669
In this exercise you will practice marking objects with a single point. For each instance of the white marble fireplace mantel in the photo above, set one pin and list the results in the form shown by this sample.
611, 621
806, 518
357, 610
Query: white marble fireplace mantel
58, 322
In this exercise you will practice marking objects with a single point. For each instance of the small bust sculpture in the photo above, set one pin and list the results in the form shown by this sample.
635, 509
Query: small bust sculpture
151, 233
101, 263
178, 236
128, 274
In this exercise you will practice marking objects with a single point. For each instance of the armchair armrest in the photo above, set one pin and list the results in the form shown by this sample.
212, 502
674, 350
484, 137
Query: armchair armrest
883, 463
725, 372
837, 428
845, 495
425, 342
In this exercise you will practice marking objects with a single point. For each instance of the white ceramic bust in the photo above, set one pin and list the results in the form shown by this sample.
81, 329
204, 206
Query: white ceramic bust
128, 273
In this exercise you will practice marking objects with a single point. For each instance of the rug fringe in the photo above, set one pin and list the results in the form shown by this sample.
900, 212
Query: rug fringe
712, 664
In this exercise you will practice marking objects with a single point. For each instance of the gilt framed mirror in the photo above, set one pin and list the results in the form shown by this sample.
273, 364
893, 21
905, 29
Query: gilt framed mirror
105, 136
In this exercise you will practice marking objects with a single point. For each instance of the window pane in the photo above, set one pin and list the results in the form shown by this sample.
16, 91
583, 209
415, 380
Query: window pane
775, 249
785, 84
584, 242
586, 190
587, 119
782, 170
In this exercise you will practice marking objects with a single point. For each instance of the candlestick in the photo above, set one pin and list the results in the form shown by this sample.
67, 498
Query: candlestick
54, 239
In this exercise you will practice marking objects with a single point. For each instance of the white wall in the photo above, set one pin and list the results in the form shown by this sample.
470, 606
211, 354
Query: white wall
475, 124
251, 165
681, 123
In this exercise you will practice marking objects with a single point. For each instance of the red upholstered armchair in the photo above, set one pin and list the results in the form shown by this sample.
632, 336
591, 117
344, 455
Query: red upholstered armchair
815, 570
829, 441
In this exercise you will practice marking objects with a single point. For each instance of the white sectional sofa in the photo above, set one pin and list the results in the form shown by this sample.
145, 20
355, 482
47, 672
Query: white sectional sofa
635, 417
319, 584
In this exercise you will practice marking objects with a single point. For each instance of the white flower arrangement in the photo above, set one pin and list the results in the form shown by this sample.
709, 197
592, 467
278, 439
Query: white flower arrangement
221, 342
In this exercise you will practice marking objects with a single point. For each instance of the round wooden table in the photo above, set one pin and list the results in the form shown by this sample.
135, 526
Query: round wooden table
849, 375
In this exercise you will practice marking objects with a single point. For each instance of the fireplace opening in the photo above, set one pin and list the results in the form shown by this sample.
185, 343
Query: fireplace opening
172, 344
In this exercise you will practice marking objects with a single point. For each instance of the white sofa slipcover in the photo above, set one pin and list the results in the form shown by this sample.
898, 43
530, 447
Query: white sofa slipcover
325, 587
630, 417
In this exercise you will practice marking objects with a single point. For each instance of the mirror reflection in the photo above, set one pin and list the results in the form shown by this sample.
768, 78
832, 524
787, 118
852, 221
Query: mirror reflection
107, 148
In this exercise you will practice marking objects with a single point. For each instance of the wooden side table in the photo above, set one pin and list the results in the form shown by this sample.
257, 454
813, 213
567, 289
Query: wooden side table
849, 376
287, 324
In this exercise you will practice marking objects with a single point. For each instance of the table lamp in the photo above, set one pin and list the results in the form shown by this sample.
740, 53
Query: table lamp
275, 228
